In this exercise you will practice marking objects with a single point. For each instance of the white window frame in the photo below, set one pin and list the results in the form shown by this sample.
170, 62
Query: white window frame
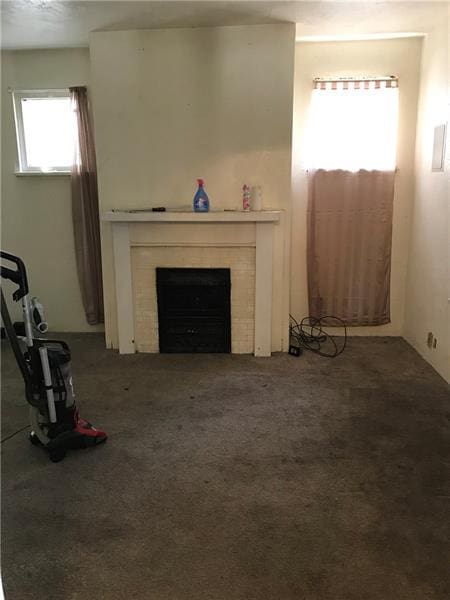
18, 96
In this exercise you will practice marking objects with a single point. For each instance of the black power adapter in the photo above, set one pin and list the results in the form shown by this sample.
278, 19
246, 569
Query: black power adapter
295, 350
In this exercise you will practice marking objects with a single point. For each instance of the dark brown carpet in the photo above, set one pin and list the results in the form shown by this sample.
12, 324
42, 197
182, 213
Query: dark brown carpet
232, 478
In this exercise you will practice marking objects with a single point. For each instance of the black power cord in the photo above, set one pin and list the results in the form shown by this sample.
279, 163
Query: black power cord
310, 335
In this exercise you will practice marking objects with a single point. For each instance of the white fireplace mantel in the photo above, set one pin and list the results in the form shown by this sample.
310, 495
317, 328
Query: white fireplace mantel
264, 222
175, 216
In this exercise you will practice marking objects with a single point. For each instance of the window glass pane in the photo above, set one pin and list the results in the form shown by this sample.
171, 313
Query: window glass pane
353, 129
47, 124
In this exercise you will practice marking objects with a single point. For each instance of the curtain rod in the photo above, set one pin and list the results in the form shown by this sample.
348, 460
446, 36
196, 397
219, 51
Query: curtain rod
382, 78
311, 170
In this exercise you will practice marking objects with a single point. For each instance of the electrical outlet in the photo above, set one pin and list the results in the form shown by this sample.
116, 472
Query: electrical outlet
434, 342
430, 338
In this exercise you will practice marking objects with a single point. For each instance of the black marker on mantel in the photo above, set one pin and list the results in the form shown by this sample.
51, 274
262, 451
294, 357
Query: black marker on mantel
140, 210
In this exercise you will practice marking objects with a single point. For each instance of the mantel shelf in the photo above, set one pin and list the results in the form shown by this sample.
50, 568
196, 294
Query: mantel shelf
223, 216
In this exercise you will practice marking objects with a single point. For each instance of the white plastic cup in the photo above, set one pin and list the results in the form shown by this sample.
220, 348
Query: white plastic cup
256, 195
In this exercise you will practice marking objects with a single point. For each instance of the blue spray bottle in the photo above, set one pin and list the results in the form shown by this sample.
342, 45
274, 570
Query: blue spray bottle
201, 200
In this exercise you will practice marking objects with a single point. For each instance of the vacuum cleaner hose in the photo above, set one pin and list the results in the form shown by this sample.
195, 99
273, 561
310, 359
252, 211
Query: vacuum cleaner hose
42, 327
37, 310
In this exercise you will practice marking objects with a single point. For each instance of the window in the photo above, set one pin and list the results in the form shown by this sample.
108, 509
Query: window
44, 127
353, 124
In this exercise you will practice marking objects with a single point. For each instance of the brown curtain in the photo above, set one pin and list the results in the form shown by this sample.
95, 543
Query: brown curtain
85, 212
349, 233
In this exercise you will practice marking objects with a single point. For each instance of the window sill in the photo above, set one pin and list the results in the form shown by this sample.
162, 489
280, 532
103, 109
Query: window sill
42, 173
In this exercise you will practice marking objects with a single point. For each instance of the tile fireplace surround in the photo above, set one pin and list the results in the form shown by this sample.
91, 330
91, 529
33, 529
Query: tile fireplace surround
238, 240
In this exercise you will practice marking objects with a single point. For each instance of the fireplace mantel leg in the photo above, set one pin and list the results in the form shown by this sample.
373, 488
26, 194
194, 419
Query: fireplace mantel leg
263, 289
124, 290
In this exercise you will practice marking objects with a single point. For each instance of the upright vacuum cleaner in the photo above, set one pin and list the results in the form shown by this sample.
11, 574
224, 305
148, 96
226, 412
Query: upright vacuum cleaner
45, 367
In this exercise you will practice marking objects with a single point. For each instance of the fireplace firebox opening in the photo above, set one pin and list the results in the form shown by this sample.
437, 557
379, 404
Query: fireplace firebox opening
194, 312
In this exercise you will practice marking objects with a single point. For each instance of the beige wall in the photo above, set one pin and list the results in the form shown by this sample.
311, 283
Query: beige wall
428, 286
36, 210
399, 57
216, 103
173, 105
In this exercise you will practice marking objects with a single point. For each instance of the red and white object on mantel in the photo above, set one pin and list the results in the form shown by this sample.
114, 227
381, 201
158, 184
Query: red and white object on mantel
246, 197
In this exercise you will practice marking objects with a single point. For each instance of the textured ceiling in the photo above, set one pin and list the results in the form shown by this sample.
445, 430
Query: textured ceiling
67, 23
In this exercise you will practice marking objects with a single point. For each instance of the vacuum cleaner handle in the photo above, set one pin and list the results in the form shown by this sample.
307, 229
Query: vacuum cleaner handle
17, 276
11, 335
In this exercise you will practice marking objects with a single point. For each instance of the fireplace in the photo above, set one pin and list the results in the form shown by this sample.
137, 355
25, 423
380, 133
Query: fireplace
194, 313
248, 243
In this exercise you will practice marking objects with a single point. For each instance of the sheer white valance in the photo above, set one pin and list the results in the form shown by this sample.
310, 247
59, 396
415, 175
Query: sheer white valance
350, 83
